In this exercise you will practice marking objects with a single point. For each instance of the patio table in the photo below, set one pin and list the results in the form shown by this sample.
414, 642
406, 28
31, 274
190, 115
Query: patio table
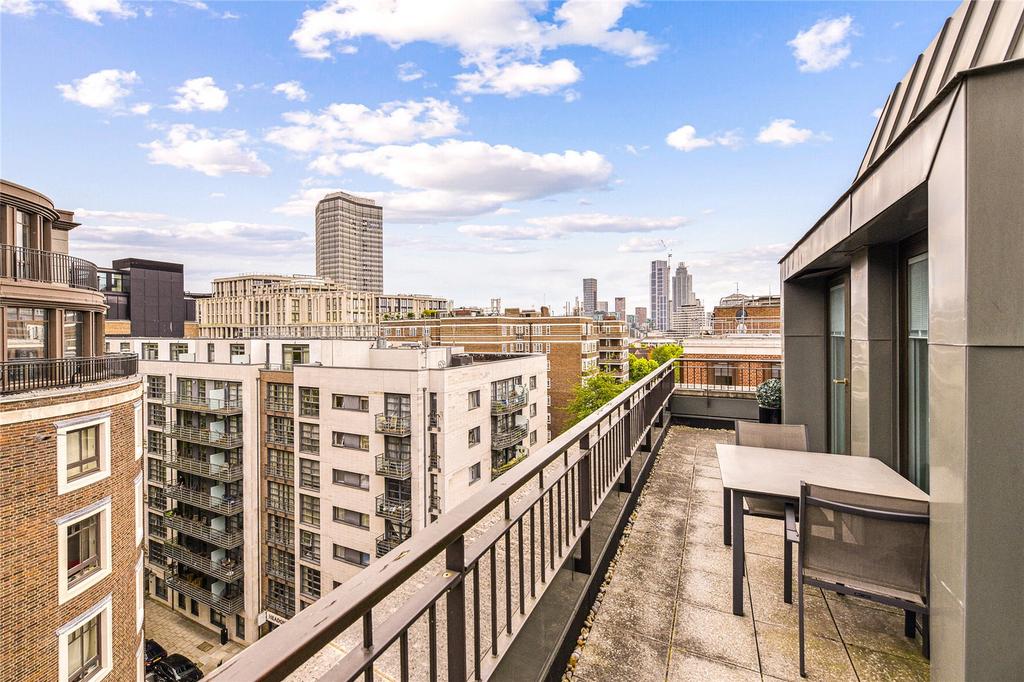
776, 474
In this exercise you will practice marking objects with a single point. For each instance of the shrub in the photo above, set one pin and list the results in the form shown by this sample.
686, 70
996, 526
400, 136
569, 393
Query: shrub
769, 393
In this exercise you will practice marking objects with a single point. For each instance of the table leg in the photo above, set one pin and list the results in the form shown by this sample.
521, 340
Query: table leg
737, 554
727, 516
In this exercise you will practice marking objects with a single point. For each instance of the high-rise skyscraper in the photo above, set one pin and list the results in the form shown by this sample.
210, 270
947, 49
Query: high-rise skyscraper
620, 308
682, 288
589, 296
349, 242
641, 316
659, 294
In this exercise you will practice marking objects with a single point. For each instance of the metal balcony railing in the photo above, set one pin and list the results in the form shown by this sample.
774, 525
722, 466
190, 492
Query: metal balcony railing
33, 374
228, 571
226, 505
388, 541
230, 601
506, 437
394, 467
158, 451
201, 467
280, 606
725, 375
514, 400
434, 420
498, 467
394, 508
275, 437
435, 503
393, 424
572, 477
280, 471
282, 538
35, 265
227, 539
281, 505
281, 571
182, 401
203, 436
435, 462
279, 404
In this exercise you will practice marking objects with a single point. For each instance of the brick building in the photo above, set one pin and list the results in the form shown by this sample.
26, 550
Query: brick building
71, 568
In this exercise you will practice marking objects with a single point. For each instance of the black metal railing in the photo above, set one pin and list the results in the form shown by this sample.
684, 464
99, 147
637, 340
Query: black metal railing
533, 517
31, 374
511, 401
729, 375
507, 436
395, 507
197, 528
50, 267
394, 467
230, 601
184, 401
388, 541
393, 424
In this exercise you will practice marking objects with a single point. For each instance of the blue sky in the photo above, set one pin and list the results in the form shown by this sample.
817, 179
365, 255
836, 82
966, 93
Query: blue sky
517, 148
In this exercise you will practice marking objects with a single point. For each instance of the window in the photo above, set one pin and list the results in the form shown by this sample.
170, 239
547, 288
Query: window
309, 582
216, 618
309, 402
156, 386
309, 546
474, 436
83, 650
280, 497
239, 626
155, 415
533, 437
533, 382
350, 440
309, 474
178, 349
138, 509
194, 607
237, 349
160, 588
83, 455
915, 381
351, 556
150, 351
351, 518
474, 473
28, 331
356, 403
350, 479
309, 438
74, 333
474, 399
140, 591
280, 463
533, 409
83, 549
294, 354
309, 510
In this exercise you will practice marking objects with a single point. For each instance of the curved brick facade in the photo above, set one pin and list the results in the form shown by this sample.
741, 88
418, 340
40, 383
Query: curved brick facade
29, 509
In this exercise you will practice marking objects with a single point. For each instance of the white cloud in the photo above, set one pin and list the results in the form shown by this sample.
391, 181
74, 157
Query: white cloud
194, 4
229, 15
783, 132
823, 46
513, 79
408, 72
217, 195
644, 245
94, 215
198, 149
346, 127
141, 109
90, 10
550, 227
24, 8
292, 90
503, 41
100, 90
877, 113
685, 139
635, 150
200, 93
303, 202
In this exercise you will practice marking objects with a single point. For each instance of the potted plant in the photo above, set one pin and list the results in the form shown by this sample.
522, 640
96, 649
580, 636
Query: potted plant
769, 401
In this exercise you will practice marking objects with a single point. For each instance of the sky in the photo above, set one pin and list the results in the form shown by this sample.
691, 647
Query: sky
516, 147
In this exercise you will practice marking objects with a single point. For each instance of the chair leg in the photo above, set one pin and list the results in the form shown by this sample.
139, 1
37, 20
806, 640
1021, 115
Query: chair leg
787, 579
909, 624
800, 625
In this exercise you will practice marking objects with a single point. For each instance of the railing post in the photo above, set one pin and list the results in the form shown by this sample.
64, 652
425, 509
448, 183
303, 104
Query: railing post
627, 474
455, 610
582, 563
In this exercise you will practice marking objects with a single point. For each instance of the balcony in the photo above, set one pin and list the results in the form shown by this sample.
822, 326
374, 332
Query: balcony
229, 602
280, 471
394, 467
500, 467
388, 541
48, 267
227, 539
279, 404
226, 570
227, 505
506, 437
396, 508
281, 572
222, 406
511, 402
204, 436
281, 505
226, 473
435, 463
393, 425
434, 421
281, 538
281, 606
35, 374
282, 438
435, 503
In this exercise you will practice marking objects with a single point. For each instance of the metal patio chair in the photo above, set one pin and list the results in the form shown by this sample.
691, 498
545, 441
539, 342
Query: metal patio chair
866, 546
779, 437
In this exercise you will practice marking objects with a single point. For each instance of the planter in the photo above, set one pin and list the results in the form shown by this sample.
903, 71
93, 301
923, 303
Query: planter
769, 415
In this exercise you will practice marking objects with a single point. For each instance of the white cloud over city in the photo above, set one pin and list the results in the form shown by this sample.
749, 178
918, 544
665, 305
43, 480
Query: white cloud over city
784, 132
208, 152
200, 94
554, 226
823, 46
105, 89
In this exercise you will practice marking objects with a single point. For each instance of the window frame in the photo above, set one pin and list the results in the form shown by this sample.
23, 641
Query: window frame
67, 427
67, 591
102, 611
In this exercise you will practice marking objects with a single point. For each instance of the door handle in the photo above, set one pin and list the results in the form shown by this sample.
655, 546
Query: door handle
841, 381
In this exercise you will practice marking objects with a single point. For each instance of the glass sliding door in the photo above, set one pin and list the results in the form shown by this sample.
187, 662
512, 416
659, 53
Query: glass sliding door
916, 372
837, 362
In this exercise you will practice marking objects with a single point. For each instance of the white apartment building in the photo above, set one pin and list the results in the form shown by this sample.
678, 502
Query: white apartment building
278, 468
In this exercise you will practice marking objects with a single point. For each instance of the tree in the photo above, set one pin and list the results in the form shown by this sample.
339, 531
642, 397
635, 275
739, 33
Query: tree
663, 354
640, 367
592, 394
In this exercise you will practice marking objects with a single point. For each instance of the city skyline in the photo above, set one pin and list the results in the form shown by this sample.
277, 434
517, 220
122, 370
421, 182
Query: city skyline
243, 148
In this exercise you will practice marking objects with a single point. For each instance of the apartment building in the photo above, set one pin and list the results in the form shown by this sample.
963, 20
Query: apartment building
269, 306
71, 573
350, 242
660, 295
146, 298
278, 468
589, 296
572, 345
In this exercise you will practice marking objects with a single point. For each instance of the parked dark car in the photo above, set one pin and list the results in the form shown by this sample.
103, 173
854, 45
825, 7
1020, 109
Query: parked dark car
154, 653
177, 668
